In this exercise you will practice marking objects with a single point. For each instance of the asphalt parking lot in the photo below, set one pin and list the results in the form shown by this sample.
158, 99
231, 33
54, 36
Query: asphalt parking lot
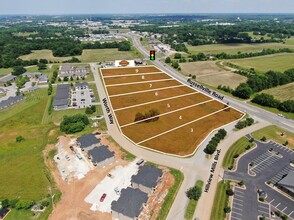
267, 166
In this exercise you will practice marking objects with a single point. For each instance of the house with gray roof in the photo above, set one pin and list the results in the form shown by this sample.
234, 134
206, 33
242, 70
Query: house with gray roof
129, 205
101, 156
88, 141
287, 183
43, 79
147, 178
8, 78
69, 70
62, 97
10, 101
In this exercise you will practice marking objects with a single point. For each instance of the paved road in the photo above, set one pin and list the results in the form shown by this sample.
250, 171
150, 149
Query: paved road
272, 118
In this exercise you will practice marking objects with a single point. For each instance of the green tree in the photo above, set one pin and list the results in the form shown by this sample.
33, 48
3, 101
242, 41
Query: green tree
194, 193
168, 60
41, 66
18, 70
243, 91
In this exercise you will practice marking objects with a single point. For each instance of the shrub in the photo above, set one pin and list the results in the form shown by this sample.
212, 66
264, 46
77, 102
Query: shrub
24, 204
19, 138
194, 193
73, 124
263, 138
236, 156
45, 203
227, 209
247, 147
261, 199
241, 183
12, 203
286, 143
229, 192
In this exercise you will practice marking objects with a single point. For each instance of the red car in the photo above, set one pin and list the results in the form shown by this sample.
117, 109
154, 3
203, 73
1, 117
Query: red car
103, 197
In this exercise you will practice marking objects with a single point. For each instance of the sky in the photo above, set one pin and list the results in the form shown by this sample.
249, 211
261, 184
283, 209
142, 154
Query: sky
144, 6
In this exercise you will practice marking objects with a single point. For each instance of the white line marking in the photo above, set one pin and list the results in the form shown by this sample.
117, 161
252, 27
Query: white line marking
136, 74
239, 200
237, 208
263, 211
263, 207
239, 195
146, 103
238, 204
271, 201
284, 209
141, 82
278, 205
237, 213
291, 213
170, 112
198, 119
233, 217
149, 90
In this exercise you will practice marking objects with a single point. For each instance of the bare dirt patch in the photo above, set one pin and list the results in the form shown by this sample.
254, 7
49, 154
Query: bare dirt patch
209, 73
120, 71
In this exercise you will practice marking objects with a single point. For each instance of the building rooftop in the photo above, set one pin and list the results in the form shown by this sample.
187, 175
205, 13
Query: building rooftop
147, 176
31, 74
10, 101
62, 96
81, 84
7, 78
288, 182
100, 154
130, 202
88, 140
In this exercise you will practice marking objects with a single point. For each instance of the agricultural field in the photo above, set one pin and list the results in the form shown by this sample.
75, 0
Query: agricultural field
210, 74
282, 93
234, 48
181, 110
276, 62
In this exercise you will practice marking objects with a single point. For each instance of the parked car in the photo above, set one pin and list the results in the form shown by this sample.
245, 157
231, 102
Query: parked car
103, 197
140, 162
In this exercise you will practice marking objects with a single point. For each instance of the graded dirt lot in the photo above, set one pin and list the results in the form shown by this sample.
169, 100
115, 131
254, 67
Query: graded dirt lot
183, 122
129, 79
143, 97
128, 115
112, 90
209, 73
120, 71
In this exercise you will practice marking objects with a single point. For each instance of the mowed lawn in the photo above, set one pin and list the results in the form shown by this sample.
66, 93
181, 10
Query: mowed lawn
276, 62
22, 167
209, 73
282, 93
234, 48
44, 54
5, 71
274, 133
220, 201
101, 55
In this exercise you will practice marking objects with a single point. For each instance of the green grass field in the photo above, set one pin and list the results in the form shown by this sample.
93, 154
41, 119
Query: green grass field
290, 41
44, 54
277, 62
192, 203
237, 148
93, 86
19, 214
282, 93
5, 70
274, 133
22, 163
235, 48
220, 201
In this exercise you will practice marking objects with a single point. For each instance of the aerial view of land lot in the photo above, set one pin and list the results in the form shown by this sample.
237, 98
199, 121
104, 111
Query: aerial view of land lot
153, 109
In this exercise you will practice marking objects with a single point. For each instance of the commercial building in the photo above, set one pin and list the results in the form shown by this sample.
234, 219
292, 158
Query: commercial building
129, 205
6, 79
124, 63
147, 178
287, 184
62, 98
68, 70
101, 156
82, 96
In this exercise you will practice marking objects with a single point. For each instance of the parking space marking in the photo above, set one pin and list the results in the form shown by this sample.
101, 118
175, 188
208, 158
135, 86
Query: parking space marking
238, 199
277, 205
237, 208
263, 207
239, 191
239, 195
284, 209
291, 213
237, 204
237, 213
271, 201
263, 211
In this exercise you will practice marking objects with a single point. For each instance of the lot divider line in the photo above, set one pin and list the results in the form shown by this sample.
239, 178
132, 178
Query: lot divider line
167, 113
147, 103
183, 125
141, 82
136, 74
148, 90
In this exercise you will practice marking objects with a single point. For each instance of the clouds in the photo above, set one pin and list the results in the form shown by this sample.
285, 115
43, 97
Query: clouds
144, 6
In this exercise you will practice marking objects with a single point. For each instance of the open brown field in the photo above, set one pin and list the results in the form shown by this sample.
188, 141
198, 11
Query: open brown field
183, 142
127, 116
129, 79
282, 93
139, 98
120, 71
209, 73
112, 90
175, 112
169, 121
